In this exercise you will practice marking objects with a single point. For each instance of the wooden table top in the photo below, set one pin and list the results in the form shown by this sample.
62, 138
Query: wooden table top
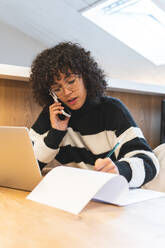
24, 223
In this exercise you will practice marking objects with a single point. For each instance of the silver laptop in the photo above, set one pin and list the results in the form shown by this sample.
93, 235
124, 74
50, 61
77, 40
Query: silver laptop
19, 168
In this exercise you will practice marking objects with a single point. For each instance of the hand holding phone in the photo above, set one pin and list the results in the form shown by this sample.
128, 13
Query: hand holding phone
58, 120
65, 112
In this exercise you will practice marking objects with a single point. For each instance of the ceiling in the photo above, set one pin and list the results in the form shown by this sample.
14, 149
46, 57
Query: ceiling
52, 21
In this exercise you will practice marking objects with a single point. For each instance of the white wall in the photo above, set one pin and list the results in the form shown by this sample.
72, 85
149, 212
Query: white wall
16, 48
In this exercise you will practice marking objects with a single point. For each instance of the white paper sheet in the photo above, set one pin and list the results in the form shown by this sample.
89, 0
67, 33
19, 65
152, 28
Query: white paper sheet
138, 195
70, 189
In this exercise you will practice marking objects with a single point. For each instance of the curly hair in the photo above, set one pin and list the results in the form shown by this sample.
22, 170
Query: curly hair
64, 57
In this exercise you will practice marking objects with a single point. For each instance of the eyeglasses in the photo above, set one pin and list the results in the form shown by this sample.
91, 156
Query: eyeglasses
71, 84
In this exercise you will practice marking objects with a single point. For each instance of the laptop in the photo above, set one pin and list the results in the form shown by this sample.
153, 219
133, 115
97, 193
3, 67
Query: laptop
19, 168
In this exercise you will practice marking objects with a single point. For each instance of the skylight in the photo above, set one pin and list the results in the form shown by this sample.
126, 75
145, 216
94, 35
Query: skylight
140, 24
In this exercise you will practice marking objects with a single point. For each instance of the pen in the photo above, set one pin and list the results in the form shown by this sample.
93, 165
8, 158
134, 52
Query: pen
110, 153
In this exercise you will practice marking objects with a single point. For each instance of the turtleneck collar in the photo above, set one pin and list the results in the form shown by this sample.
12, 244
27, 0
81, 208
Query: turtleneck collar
86, 107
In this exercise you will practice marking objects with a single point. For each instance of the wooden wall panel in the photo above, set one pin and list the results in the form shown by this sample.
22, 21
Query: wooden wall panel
17, 108
146, 110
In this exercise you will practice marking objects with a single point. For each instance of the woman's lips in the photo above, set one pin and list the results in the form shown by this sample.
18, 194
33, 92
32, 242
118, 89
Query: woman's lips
72, 101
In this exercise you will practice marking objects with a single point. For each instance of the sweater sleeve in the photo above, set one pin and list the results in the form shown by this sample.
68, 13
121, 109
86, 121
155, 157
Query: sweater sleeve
134, 157
45, 139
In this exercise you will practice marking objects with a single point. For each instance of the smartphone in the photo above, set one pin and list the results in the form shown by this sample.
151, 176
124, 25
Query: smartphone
65, 111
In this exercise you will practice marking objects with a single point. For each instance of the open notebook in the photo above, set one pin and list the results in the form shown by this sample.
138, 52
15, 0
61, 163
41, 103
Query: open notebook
18, 166
70, 189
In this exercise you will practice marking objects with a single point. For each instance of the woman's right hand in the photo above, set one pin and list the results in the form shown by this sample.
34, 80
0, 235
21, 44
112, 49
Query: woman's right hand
56, 123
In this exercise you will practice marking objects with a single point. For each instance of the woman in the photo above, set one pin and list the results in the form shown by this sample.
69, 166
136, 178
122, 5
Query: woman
66, 76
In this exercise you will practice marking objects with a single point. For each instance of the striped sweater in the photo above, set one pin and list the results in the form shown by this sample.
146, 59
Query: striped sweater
92, 132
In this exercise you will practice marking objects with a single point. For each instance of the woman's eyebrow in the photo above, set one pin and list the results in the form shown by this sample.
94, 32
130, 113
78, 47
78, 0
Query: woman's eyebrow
68, 75
55, 84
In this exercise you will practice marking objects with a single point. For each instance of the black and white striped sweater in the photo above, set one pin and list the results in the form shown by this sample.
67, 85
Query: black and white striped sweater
92, 132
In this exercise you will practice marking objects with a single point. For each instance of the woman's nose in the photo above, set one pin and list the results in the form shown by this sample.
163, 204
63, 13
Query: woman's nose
66, 91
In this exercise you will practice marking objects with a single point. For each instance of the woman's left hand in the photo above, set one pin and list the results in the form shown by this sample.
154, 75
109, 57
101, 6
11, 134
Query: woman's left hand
106, 165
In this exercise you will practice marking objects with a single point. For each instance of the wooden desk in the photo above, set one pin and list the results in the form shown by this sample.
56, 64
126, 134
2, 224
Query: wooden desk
27, 224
